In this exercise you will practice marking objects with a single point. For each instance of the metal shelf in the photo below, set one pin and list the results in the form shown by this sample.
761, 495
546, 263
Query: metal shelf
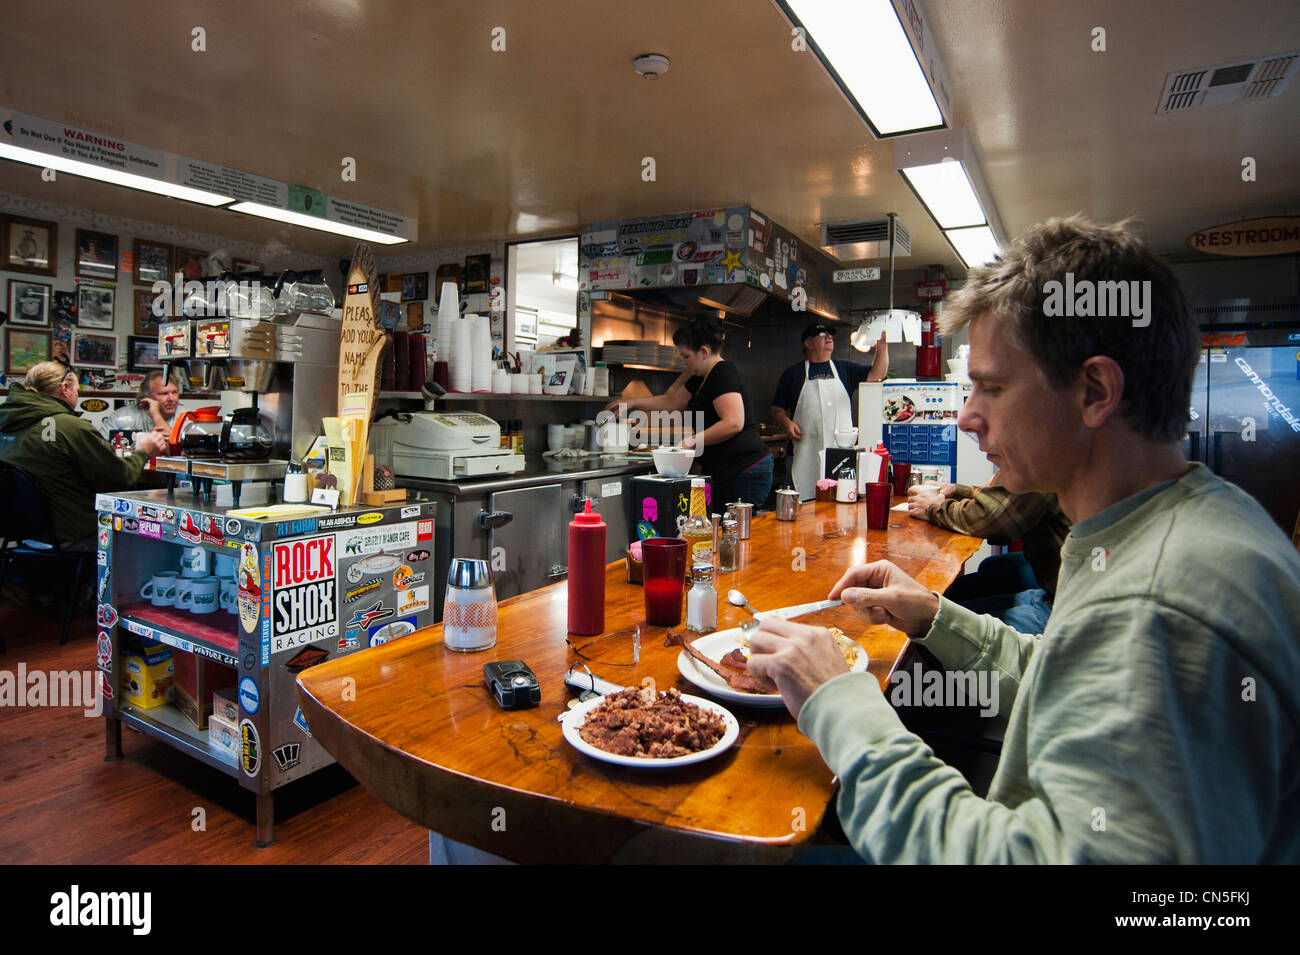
491, 396
189, 644
170, 725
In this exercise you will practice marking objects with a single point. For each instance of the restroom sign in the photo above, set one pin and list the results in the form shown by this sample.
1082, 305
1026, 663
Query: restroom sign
305, 601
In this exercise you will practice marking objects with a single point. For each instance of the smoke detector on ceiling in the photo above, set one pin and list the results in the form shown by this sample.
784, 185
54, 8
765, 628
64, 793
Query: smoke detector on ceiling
651, 65
1257, 78
865, 239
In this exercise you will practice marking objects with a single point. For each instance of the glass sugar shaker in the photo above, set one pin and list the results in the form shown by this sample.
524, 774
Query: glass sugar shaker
728, 544
702, 601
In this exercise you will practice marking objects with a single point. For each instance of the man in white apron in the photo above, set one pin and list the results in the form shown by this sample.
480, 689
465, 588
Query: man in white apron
821, 405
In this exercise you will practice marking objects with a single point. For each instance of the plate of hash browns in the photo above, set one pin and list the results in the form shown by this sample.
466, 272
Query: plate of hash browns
648, 729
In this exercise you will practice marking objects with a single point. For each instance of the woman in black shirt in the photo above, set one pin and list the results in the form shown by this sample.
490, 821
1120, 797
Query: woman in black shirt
731, 451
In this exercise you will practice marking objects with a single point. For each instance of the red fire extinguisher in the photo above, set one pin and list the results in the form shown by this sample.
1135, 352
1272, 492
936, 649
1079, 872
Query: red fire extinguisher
929, 352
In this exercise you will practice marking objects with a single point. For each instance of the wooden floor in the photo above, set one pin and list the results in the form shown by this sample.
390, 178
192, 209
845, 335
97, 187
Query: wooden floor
61, 803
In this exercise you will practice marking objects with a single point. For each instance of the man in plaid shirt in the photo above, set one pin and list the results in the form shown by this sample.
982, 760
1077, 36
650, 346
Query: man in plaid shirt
1016, 588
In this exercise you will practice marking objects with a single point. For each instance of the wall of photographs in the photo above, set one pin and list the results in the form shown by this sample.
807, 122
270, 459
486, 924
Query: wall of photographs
77, 286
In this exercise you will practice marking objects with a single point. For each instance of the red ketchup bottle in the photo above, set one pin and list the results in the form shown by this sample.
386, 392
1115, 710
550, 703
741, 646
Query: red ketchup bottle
587, 573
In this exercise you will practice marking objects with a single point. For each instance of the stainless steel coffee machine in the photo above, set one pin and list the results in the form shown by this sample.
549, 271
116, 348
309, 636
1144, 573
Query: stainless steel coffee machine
287, 363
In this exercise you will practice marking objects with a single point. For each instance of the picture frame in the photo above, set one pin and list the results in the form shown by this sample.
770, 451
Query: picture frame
414, 316
191, 263
65, 307
96, 256
142, 353
95, 306
415, 286
94, 351
153, 262
30, 303
31, 245
392, 282
146, 322
25, 348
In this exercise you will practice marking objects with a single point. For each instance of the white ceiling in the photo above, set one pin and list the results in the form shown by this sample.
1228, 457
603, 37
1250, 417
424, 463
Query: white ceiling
551, 133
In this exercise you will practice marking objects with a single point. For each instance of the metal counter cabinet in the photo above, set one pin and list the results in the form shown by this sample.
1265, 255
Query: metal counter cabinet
523, 532
311, 589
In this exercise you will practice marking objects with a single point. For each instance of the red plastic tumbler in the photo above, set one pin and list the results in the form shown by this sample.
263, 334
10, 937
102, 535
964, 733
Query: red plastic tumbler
665, 580
902, 470
878, 505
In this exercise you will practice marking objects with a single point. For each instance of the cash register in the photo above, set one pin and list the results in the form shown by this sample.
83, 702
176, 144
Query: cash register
446, 445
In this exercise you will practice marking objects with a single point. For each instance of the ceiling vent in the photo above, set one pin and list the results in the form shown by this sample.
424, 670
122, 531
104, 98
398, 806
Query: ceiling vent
1227, 83
865, 239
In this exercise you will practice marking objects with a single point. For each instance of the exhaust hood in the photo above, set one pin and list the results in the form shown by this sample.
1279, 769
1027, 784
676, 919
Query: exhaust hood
732, 259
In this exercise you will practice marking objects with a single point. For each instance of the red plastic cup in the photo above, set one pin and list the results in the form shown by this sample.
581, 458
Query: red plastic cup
665, 580
901, 473
878, 505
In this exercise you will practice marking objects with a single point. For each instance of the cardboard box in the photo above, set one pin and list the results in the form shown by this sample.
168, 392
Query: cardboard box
225, 705
223, 736
147, 675
657, 502
196, 679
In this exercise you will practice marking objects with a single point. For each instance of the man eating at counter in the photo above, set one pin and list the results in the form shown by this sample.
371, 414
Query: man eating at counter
1156, 717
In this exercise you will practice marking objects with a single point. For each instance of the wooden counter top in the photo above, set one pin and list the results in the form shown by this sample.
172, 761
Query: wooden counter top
413, 722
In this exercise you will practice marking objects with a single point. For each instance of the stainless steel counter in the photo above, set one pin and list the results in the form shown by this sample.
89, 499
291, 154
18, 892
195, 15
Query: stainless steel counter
537, 471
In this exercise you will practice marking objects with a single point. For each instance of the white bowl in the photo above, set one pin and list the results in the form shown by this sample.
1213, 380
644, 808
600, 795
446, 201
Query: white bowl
673, 462
845, 437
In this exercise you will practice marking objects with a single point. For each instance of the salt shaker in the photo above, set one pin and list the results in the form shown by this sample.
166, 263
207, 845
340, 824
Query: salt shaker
469, 611
702, 601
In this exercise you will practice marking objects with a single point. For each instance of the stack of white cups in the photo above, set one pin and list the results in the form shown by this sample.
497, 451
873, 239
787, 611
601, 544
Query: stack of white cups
448, 309
481, 330
460, 363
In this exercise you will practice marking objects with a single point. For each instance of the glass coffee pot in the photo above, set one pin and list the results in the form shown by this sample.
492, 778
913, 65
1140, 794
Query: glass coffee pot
246, 436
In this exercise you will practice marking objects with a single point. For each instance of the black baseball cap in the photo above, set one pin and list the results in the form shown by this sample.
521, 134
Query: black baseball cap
816, 328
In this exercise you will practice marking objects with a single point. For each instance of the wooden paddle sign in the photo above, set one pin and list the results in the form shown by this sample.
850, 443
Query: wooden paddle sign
361, 342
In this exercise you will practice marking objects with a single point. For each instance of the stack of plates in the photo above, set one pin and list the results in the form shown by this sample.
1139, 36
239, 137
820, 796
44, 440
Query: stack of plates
621, 352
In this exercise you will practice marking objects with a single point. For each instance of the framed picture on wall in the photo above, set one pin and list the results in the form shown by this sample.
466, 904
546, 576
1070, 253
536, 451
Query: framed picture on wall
153, 262
25, 348
96, 255
191, 263
31, 245
415, 286
95, 306
94, 351
65, 307
146, 322
30, 303
142, 353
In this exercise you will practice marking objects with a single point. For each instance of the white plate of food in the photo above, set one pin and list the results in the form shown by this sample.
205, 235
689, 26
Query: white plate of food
725, 677
600, 728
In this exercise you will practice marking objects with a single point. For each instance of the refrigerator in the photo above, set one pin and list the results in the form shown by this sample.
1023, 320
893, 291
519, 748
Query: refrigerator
1245, 414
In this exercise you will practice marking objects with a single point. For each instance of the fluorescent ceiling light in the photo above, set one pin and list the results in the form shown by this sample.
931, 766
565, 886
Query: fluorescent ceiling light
76, 167
946, 191
976, 246
316, 222
863, 44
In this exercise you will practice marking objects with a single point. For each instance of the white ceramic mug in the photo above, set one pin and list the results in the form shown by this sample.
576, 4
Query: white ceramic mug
224, 566
194, 562
203, 595
160, 589
184, 591
229, 599
846, 490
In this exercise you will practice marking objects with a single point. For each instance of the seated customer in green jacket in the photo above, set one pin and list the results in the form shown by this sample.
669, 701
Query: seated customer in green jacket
1157, 717
41, 433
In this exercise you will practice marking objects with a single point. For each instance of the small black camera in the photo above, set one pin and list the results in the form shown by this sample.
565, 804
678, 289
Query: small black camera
514, 686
